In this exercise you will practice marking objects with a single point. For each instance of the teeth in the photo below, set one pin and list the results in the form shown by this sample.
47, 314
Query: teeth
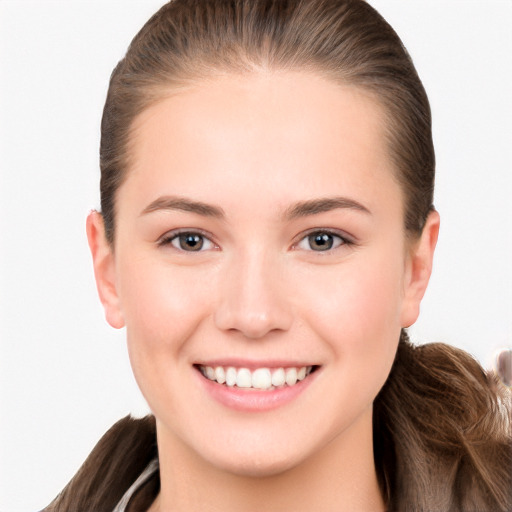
220, 375
291, 376
261, 378
278, 377
231, 376
243, 378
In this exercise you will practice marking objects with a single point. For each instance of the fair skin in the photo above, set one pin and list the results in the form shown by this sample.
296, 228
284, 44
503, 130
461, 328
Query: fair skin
283, 183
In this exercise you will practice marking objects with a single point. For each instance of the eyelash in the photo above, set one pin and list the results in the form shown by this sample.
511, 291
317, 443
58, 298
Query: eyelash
174, 236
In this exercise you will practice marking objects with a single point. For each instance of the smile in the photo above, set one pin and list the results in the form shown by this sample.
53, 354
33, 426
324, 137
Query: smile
259, 378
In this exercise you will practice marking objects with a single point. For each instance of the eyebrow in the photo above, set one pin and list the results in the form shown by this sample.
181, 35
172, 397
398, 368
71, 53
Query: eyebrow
297, 210
183, 204
315, 206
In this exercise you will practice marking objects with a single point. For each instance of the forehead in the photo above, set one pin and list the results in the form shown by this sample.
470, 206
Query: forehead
274, 131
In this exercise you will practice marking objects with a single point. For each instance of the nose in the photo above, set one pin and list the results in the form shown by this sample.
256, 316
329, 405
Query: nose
253, 298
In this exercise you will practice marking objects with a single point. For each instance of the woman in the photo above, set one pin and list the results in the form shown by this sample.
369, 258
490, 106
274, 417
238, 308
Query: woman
266, 236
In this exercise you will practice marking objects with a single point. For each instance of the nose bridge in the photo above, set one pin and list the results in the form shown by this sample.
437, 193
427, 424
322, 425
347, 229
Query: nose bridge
252, 298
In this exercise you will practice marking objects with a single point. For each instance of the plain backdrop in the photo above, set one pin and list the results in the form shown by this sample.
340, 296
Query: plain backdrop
64, 373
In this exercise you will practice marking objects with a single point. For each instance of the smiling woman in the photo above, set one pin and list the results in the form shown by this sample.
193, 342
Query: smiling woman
266, 237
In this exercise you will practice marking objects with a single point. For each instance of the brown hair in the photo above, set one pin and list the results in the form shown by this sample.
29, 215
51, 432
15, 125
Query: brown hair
346, 41
442, 432
441, 425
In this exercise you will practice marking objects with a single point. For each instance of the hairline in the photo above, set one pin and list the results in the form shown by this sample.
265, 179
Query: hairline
158, 92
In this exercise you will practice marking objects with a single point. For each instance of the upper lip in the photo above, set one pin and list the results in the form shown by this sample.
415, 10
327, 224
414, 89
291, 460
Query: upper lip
253, 365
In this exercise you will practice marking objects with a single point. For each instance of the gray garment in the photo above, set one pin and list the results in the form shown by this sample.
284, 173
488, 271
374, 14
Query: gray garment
150, 470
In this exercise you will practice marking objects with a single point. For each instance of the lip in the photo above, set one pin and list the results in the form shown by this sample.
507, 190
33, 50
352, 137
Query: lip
250, 399
254, 365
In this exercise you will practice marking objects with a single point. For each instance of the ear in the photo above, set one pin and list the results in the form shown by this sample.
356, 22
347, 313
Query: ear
419, 269
104, 269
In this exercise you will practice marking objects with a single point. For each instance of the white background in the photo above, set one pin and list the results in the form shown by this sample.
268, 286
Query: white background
64, 374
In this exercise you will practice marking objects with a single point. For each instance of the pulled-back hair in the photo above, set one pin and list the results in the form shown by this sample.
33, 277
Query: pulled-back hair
441, 430
441, 425
442, 433
346, 41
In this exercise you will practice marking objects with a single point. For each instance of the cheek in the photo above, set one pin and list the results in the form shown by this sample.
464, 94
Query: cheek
163, 307
162, 304
356, 310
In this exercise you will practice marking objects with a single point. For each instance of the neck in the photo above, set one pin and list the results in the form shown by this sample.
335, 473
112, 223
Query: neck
340, 476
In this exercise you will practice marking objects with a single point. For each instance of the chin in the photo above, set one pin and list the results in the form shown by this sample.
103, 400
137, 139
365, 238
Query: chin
261, 455
257, 466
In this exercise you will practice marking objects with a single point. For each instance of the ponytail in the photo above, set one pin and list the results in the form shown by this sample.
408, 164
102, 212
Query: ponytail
442, 441
117, 460
442, 433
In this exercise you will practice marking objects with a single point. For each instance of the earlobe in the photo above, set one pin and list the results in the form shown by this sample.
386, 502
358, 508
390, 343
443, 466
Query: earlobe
104, 269
419, 269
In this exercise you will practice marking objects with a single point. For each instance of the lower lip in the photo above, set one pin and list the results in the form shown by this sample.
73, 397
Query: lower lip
255, 400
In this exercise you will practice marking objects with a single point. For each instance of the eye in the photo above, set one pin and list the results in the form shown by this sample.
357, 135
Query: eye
321, 241
188, 241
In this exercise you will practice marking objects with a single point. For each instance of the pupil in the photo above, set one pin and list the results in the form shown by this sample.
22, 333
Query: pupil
190, 242
321, 242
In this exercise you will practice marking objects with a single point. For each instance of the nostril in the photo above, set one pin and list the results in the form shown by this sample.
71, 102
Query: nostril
252, 324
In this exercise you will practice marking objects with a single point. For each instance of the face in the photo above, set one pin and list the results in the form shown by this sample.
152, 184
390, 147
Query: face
260, 241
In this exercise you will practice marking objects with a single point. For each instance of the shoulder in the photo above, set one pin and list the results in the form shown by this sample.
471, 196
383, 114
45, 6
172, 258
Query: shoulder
116, 461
